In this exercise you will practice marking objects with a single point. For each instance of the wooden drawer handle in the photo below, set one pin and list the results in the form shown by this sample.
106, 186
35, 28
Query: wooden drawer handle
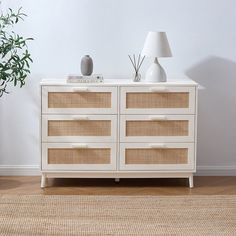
81, 145
159, 89
82, 89
158, 118
157, 145
80, 117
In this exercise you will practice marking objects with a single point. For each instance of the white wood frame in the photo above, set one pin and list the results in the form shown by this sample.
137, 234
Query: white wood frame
77, 167
157, 89
115, 174
47, 89
195, 128
158, 167
124, 138
96, 139
118, 88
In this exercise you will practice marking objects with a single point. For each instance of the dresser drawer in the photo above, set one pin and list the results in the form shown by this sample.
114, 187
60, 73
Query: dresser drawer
79, 128
82, 100
157, 128
78, 156
157, 100
157, 156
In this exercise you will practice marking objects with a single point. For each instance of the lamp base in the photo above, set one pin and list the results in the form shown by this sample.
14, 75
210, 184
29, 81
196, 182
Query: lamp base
155, 73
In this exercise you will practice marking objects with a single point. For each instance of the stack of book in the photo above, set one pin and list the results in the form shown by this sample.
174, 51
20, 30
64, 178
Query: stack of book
85, 79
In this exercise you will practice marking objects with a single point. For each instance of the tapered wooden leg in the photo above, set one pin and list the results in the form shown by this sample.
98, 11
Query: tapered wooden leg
190, 181
43, 181
117, 180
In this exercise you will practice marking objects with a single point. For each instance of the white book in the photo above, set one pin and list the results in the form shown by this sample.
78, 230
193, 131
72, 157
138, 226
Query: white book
96, 78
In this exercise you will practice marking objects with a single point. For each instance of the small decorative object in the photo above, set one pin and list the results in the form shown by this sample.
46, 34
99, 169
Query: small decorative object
136, 64
86, 65
156, 45
85, 79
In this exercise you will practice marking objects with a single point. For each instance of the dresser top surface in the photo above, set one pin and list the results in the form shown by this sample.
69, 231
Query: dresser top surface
171, 81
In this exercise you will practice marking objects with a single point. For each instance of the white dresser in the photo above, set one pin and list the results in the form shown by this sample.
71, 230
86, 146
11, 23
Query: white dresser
119, 129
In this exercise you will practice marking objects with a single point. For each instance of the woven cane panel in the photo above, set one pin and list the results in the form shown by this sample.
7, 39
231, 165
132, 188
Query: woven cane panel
79, 128
156, 156
79, 156
157, 128
79, 100
157, 100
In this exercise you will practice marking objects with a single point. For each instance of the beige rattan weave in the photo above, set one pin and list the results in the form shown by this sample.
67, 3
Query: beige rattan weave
157, 100
156, 156
79, 156
79, 128
79, 100
157, 128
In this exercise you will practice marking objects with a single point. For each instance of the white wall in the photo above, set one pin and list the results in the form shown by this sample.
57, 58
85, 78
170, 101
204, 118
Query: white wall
202, 36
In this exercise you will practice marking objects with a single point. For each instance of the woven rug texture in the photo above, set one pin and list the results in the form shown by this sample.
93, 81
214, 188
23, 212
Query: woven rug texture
117, 215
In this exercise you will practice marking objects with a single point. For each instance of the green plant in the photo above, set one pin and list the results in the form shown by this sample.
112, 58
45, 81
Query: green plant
15, 58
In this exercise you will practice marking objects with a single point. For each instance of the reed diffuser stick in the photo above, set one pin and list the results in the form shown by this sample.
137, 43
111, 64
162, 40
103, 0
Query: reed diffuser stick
132, 62
136, 63
141, 62
138, 59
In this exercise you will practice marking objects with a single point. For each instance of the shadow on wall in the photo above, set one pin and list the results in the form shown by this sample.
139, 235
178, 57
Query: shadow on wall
217, 111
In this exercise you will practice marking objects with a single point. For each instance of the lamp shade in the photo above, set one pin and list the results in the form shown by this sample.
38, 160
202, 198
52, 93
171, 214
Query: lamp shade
156, 45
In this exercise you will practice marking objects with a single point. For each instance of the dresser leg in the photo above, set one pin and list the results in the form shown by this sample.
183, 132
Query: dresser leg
190, 181
117, 180
43, 181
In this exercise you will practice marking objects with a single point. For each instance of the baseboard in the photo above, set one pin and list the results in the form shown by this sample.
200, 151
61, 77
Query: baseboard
19, 170
34, 170
216, 171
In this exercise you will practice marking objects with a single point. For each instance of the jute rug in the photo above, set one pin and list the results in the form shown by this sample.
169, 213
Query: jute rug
117, 215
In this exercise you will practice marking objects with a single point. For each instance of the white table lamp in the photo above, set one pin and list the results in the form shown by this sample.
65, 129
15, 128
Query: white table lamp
156, 45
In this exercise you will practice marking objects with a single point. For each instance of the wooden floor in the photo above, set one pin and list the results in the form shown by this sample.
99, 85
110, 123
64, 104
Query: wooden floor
203, 185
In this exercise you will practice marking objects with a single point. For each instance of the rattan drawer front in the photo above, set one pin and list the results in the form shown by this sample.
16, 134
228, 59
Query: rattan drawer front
79, 100
157, 156
89, 128
157, 128
157, 100
79, 156
79, 128
83, 100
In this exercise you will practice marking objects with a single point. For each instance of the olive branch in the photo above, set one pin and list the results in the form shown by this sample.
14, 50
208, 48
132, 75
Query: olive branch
15, 58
